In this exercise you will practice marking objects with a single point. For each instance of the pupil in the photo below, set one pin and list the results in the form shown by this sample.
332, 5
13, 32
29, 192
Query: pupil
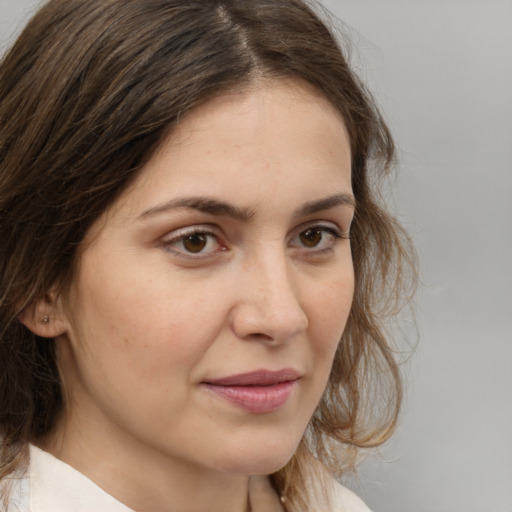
311, 237
195, 242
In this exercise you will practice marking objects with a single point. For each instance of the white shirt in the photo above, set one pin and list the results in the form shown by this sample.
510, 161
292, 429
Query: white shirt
50, 485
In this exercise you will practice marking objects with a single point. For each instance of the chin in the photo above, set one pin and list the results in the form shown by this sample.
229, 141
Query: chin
259, 459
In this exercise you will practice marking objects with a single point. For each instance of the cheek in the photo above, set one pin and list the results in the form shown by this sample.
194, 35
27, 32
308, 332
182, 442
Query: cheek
147, 325
332, 301
329, 311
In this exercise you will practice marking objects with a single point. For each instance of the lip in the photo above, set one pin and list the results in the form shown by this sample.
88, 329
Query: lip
260, 391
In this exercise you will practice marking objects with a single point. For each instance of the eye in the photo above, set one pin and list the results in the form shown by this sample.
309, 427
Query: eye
311, 237
193, 243
318, 238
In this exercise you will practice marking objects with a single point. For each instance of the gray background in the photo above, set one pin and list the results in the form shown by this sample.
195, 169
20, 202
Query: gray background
442, 72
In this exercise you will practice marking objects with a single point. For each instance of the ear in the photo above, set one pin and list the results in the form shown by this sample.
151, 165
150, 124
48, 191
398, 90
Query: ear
44, 317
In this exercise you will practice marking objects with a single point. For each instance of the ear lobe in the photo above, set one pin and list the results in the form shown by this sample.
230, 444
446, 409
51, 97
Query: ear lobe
44, 317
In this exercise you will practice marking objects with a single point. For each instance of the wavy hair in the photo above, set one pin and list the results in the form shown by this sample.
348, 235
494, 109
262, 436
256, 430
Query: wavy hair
88, 92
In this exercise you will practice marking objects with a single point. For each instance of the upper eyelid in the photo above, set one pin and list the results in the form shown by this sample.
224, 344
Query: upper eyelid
326, 224
177, 233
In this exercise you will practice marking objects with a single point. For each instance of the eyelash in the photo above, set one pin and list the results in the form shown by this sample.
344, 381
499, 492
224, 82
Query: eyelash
336, 234
182, 236
170, 244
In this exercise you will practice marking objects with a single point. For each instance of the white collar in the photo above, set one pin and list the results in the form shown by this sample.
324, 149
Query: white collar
57, 487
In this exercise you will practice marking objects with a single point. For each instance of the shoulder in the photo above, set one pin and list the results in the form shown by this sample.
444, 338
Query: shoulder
344, 500
328, 495
14, 494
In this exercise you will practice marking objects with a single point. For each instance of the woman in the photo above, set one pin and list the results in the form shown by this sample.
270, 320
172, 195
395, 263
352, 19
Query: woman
195, 269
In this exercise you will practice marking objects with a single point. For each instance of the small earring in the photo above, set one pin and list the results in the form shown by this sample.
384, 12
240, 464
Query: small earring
45, 320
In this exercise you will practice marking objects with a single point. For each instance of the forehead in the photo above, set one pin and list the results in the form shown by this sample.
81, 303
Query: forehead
276, 137
269, 102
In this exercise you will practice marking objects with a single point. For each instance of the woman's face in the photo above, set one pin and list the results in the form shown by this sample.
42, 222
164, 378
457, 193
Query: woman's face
210, 298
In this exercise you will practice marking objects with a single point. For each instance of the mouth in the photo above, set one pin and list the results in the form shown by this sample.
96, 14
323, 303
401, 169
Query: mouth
261, 391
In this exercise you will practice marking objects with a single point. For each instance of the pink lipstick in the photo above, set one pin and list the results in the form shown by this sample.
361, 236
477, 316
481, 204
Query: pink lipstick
258, 392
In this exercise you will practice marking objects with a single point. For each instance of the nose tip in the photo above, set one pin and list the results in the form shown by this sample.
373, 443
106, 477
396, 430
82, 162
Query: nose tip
269, 309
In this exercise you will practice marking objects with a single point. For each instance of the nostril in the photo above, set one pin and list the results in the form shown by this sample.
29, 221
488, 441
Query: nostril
259, 336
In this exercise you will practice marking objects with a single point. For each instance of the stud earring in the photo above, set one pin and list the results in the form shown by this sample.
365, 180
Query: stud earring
45, 320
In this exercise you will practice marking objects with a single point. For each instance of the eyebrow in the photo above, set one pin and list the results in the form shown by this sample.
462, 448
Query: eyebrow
221, 208
327, 203
202, 204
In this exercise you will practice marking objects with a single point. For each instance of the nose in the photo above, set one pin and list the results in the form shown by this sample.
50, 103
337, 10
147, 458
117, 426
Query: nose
268, 306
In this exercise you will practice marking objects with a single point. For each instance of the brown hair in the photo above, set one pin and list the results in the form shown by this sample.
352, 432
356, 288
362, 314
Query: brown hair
87, 93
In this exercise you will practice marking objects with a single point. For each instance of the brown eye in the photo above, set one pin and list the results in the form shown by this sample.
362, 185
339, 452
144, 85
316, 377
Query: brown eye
317, 240
311, 237
195, 242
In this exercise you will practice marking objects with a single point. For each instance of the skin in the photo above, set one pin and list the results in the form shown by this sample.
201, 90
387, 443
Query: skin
147, 321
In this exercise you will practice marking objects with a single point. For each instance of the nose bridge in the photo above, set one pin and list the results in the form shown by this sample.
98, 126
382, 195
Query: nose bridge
270, 300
